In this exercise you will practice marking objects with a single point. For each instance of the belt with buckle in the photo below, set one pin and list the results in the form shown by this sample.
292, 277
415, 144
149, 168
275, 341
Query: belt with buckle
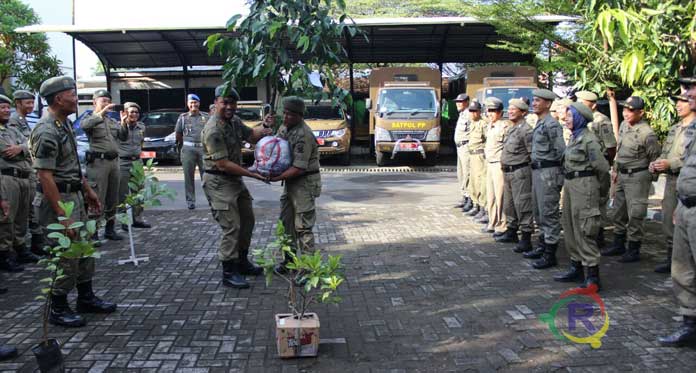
193, 144
15, 172
64, 187
479, 151
515, 167
574, 174
132, 158
545, 164
689, 202
632, 170
100, 155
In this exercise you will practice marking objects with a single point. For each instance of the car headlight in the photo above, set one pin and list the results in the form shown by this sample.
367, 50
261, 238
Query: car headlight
433, 134
381, 134
338, 133
171, 137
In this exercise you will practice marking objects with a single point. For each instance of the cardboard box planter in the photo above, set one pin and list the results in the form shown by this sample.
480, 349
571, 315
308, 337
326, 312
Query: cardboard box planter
297, 338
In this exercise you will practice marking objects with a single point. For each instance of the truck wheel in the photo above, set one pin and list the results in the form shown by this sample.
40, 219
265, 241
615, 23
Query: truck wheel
380, 159
344, 159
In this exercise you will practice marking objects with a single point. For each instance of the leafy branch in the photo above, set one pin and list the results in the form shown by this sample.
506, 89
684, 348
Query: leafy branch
145, 190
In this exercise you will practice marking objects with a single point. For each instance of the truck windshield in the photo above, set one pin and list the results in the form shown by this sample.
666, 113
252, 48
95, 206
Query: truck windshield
505, 94
323, 112
399, 100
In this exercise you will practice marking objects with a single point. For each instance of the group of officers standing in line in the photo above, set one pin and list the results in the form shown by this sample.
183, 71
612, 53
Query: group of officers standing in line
515, 172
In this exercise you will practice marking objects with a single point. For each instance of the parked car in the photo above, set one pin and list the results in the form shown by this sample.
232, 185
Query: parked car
159, 134
332, 130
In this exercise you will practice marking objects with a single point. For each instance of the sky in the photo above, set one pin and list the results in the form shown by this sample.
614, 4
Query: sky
130, 13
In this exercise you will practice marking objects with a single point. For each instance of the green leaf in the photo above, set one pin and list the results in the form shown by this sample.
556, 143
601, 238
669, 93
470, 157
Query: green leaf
55, 235
56, 227
64, 242
230, 26
76, 225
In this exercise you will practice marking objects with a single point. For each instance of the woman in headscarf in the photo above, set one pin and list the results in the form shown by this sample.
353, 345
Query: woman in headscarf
581, 220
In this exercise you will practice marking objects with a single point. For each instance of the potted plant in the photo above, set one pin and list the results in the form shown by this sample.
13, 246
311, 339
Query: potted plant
311, 279
72, 242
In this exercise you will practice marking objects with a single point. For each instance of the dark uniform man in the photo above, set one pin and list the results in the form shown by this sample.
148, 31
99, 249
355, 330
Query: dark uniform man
684, 251
477, 159
188, 133
302, 179
24, 104
670, 164
54, 152
15, 169
583, 164
104, 135
129, 152
517, 198
638, 146
548, 147
461, 141
227, 195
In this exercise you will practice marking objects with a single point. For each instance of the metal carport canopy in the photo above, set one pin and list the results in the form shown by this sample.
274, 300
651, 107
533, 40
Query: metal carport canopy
404, 40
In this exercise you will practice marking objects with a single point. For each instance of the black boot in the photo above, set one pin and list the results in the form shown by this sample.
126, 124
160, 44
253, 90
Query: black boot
479, 215
525, 244
548, 259
474, 211
25, 256
110, 232
61, 313
592, 278
7, 352
510, 236
666, 266
141, 224
685, 335
87, 302
248, 268
231, 277
601, 244
462, 203
575, 273
8, 262
633, 253
617, 248
468, 205
37, 245
483, 219
538, 252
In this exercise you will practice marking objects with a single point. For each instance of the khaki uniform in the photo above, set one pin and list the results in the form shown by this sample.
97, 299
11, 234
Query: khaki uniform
684, 252
602, 128
14, 188
229, 198
517, 194
637, 147
461, 140
22, 125
583, 161
190, 127
53, 148
104, 135
128, 152
547, 176
495, 140
673, 150
297, 203
477, 162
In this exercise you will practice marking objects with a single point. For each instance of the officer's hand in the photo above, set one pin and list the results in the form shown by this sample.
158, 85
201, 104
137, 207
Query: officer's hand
124, 116
276, 178
105, 109
261, 131
660, 165
11, 151
93, 202
5, 206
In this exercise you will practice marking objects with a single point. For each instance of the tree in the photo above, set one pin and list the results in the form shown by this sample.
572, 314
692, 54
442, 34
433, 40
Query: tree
407, 8
25, 57
284, 42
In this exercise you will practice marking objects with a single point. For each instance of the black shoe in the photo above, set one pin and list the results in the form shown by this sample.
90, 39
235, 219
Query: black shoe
9, 264
87, 302
487, 230
248, 268
25, 256
474, 211
479, 214
95, 239
61, 313
538, 252
498, 234
617, 248
124, 227
665, 267
685, 335
548, 259
7, 352
525, 244
462, 203
191, 206
140, 224
509, 236
231, 277
483, 219
632, 254
575, 273
592, 279
110, 232
468, 205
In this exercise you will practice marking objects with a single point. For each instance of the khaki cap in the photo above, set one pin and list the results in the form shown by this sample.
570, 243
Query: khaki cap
129, 105
545, 94
633, 103
294, 104
519, 103
461, 97
101, 93
688, 80
587, 96
475, 106
55, 85
5, 100
21, 94
583, 110
231, 92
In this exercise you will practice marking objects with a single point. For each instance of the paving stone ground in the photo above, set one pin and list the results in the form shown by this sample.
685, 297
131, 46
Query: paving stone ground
425, 292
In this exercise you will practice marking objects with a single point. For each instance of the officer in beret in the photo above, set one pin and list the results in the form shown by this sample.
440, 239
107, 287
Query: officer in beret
302, 179
637, 148
54, 152
461, 141
583, 164
684, 250
188, 134
104, 135
477, 161
517, 195
670, 164
547, 177
128, 153
496, 137
229, 198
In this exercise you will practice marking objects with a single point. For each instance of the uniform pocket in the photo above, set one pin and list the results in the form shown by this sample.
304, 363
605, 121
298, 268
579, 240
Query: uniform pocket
590, 226
219, 205
639, 209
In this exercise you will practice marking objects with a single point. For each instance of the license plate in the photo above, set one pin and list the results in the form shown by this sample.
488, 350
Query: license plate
146, 155
320, 141
408, 146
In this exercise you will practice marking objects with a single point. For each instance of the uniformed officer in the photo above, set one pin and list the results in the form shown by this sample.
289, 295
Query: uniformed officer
24, 104
461, 141
684, 249
104, 135
547, 175
637, 147
561, 106
601, 126
302, 179
583, 163
477, 160
128, 153
495, 139
54, 152
188, 133
15, 169
517, 197
229, 198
